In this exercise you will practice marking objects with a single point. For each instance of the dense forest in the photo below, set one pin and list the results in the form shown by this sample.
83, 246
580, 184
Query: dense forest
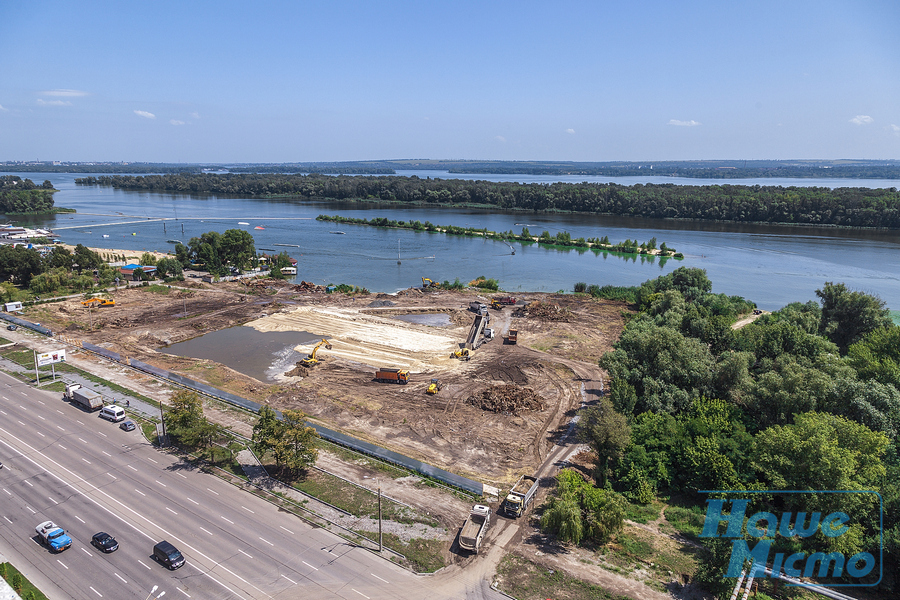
805, 398
842, 207
19, 195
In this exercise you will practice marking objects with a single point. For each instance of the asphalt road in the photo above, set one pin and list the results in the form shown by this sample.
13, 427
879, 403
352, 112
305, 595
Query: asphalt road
87, 475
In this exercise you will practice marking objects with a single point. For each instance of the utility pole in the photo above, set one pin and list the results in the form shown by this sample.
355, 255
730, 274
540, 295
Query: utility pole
380, 541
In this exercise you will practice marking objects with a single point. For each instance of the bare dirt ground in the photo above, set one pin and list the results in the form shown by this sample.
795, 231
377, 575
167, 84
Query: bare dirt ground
442, 429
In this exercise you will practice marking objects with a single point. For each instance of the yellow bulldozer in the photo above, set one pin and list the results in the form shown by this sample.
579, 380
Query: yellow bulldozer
98, 302
435, 386
311, 360
461, 354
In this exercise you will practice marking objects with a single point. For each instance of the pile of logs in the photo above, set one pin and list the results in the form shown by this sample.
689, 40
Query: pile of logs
507, 399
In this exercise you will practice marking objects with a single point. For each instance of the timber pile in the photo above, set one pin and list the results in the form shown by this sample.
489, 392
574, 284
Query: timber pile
507, 399
547, 311
308, 286
298, 371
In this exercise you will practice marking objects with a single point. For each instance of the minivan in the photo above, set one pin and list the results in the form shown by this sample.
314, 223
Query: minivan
167, 554
113, 413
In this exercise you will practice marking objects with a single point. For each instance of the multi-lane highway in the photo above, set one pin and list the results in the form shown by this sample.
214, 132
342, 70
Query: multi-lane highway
87, 475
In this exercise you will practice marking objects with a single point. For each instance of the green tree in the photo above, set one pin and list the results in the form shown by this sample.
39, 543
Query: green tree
877, 356
237, 248
849, 315
59, 257
86, 259
606, 432
265, 431
184, 419
18, 264
148, 260
299, 440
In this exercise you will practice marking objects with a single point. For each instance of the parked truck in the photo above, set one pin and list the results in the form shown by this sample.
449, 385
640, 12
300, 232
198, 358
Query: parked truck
90, 400
478, 308
392, 376
519, 497
499, 303
474, 528
513, 336
53, 536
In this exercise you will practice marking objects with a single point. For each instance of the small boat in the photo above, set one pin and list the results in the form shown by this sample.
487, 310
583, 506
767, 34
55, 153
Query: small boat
288, 245
106, 235
288, 270
337, 232
173, 241
258, 227
242, 223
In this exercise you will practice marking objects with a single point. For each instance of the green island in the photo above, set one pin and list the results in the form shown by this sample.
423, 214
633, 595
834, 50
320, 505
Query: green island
840, 207
561, 239
22, 196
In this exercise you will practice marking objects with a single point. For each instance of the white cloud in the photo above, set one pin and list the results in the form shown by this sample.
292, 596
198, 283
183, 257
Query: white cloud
691, 123
500, 139
3, 109
895, 129
862, 120
145, 114
176, 122
570, 130
64, 93
194, 115
43, 102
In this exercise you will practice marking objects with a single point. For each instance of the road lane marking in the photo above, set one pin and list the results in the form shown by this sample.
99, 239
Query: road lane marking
153, 461
309, 565
41, 401
183, 592
206, 530
229, 520
81, 422
140, 492
216, 493
61, 446
85, 460
60, 412
40, 434
120, 577
41, 418
86, 552
53, 501
377, 577
28, 482
111, 475
142, 562
79, 518
7, 519
194, 501
62, 563
22, 407
20, 422
244, 553
103, 434
183, 477
101, 595
3, 411
161, 483
171, 511
288, 530
106, 453
247, 509
81, 440
291, 580
7, 491
132, 468
60, 428
361, 594
267, 541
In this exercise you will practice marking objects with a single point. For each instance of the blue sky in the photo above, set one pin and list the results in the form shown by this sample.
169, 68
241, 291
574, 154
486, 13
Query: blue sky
351, 80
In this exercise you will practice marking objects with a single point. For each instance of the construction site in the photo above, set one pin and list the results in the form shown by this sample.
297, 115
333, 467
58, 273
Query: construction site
505, 379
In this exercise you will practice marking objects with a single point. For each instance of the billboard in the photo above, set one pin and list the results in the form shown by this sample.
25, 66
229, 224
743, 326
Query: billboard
48, 358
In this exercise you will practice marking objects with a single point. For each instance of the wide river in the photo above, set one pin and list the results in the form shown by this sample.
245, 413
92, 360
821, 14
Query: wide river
771, 265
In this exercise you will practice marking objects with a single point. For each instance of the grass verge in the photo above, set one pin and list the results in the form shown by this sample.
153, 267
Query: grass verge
526, 580
20, 583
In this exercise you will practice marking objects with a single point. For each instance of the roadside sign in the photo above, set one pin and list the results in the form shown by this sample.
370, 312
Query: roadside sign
49, 358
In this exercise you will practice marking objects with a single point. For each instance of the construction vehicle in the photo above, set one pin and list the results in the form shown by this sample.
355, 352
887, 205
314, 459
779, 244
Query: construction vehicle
427, 283
311, 360
499, 303
392, 376
461, 354
513, 336
89, 399
435, 386
474, 528
520, 496
477, 308
98, 302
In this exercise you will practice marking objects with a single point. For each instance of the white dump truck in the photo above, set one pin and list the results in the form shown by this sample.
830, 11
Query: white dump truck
519, 497
90, 400
474, 528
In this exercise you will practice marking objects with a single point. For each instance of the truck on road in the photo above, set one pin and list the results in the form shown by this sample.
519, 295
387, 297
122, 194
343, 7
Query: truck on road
53, 536
89, 399
519, 497
513, 336
392, 376
474, 528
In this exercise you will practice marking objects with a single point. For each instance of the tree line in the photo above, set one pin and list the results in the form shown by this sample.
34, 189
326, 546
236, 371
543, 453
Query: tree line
804, 398
19, 195
843, 207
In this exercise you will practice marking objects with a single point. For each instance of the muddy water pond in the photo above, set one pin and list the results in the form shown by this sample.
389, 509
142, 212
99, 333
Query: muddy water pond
432, 319
261, 355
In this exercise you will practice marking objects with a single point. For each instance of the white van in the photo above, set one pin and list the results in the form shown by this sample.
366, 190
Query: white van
113, 413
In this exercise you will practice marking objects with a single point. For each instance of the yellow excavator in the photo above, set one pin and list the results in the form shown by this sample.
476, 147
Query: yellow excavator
435, 386
311, 360
461, 354
99, 302
427, 283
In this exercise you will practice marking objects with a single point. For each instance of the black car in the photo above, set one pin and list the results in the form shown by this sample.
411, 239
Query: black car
12, 327
104, 542
127, 425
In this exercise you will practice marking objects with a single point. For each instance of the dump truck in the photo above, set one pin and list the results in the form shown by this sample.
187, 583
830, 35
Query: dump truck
311, 360
477, 308
513, 336
392, 376
499, 303
519, 497
435, 386
474, 528
53, 536
98, 302
89, 399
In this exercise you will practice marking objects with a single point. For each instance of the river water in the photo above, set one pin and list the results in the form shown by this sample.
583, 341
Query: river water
771, 265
